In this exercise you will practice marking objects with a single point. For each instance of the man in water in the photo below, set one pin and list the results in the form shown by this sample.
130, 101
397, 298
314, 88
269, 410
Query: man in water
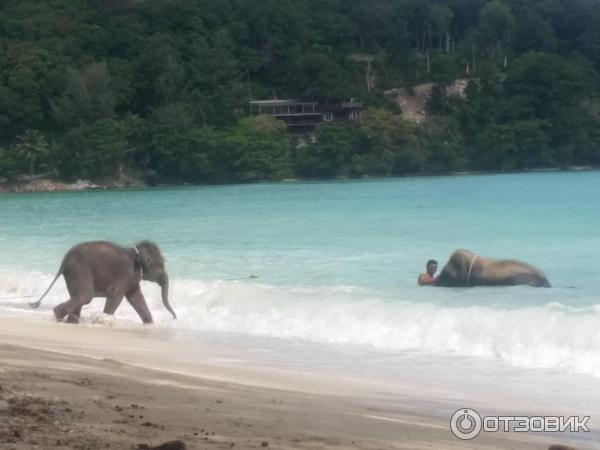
427, 278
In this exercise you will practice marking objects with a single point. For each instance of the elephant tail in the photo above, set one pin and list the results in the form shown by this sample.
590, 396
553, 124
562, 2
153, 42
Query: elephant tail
39, 302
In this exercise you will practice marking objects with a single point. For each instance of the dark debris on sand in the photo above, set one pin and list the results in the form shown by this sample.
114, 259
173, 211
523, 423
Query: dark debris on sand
31, 419
171, 445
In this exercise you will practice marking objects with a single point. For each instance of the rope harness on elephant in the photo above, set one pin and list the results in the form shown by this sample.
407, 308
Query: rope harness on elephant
137, 252
470, 269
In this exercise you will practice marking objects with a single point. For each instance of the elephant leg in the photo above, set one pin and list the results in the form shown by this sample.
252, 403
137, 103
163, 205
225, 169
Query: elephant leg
137, 300
80, 285
60, 311
114, 296
77, 313
112, 303
73, 307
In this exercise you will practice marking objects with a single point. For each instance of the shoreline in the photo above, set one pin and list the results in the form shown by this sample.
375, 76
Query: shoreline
56, 185
61, 386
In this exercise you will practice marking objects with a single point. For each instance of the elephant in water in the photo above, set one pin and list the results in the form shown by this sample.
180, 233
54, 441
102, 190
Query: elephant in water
465, 268
104, 269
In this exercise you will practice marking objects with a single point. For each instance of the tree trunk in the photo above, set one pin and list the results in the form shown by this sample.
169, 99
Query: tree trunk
428, 37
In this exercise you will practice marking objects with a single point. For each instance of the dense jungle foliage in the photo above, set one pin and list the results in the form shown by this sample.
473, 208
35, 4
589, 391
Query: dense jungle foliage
158, 89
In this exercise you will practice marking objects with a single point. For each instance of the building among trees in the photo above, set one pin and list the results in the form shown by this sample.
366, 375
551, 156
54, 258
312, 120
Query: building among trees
344, 112
305, 117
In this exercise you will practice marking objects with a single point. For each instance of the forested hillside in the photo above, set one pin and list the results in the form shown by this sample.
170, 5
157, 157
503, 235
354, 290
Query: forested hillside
158, 88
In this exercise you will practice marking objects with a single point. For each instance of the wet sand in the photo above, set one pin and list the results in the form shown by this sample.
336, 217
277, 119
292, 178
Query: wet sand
55, 394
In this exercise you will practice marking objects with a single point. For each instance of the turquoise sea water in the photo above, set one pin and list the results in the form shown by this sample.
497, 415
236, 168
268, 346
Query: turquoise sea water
338, 261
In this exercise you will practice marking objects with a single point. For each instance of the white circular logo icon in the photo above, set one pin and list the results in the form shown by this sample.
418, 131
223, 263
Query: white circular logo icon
465, 423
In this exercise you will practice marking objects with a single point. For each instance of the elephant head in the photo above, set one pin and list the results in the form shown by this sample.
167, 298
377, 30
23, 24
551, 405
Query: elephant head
152, 264
455, 272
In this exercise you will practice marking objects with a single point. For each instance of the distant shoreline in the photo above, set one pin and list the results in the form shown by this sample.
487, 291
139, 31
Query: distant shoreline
52, 184
55, 185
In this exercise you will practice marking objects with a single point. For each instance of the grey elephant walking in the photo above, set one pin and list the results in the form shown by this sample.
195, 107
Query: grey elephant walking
103, 269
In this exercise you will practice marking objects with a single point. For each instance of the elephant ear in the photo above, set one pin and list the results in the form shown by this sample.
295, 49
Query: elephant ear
456, 265
145, 259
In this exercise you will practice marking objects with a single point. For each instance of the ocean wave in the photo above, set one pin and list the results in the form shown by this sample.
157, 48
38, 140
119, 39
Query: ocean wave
553, 335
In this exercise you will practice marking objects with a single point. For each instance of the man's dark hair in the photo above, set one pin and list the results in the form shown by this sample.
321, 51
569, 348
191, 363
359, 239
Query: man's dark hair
430, 262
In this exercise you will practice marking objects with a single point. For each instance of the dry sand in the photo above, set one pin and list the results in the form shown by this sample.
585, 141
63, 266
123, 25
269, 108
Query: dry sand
54, 396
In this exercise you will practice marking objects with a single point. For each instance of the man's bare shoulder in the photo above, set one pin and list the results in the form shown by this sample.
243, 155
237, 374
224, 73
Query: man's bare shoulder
425, 279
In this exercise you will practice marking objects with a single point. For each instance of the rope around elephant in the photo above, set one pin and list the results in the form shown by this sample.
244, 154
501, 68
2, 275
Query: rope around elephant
471, 268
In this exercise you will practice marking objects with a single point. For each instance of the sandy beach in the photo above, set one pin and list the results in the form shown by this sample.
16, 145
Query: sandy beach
62, 386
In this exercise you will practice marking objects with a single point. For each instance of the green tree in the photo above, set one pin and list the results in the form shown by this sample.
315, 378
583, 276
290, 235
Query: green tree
549, 82
175, 145
259, 146
318, 78
442, 17
94, 150
496, 24
335, 153
5, 164
87, 96
533, 32
24, 68
31, 147
523, 144
441, 141
389, 139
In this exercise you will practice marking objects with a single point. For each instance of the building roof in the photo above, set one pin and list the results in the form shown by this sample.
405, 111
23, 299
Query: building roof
277, 102
341, 106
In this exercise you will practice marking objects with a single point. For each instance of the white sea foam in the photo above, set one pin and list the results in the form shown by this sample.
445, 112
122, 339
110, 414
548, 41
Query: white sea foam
546, 336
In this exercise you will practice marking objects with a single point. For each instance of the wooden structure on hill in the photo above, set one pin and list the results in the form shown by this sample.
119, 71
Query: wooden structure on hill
346, 111
299, 117
305, 117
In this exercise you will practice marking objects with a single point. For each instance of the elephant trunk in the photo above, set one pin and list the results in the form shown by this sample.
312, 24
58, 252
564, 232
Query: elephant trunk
164, 284
444, 279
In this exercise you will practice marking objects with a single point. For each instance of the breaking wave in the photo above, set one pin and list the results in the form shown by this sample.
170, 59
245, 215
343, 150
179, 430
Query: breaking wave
552, 335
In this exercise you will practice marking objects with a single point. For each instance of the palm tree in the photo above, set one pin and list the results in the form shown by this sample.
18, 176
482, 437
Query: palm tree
32, 145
